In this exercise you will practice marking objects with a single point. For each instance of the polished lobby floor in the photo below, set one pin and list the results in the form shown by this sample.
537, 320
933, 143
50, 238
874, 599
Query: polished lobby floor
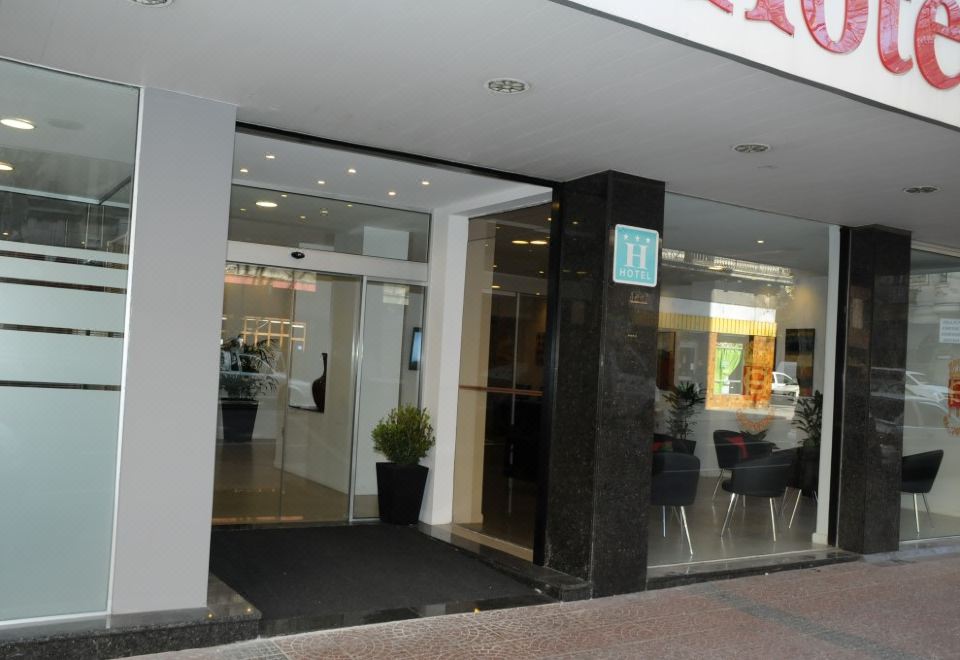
896, 608
936, 525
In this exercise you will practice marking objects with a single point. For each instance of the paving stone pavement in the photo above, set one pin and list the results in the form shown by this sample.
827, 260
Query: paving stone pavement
888, 608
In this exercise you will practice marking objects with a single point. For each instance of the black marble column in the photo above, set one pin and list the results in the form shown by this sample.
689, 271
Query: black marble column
872, 357
601, 385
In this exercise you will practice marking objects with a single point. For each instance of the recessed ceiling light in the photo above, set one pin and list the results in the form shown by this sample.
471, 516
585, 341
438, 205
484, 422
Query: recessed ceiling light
303, 217
760, 241
538, 242
5, 167
520, 242
18, 123
270, 156
549, 219
751, 148
6, 233
540, 271
321, 182
495, 286
392, 193
152, 3
920, 190
349, 206
244, 170
284, 195
243, 210
267, 205
494, 265
324, 211
351, 170
507, 86
424, 183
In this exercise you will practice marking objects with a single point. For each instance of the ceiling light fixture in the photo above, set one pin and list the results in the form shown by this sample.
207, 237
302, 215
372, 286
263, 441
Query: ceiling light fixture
6, 233
267, 205
507, 86
760, 241
243, 210
538, 242
424, 183
244, 170
321, 182
324, 211
392, 193
5, 167
18, 123
920, 190
303, 217
351, 170
751, 148
495, 286
520, 242
284, 195
270, 156
349, 206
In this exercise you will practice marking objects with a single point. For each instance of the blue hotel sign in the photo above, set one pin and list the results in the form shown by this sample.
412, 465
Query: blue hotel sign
636, 253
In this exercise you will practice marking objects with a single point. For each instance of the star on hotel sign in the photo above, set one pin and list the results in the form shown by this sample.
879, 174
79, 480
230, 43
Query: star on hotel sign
636, 253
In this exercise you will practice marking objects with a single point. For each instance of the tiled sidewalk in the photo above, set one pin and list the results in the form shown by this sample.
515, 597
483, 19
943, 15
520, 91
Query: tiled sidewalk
869, 609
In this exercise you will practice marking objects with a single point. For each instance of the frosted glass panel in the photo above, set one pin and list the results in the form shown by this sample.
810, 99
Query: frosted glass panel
63, 281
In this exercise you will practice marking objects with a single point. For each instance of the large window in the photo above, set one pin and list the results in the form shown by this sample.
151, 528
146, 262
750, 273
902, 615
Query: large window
741, 365
931, 416
67, 148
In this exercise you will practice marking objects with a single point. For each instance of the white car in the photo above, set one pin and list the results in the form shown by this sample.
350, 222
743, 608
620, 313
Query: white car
918, 385
784, 385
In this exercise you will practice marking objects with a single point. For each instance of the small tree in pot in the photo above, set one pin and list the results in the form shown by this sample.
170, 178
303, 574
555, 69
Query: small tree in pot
241, 389
808, 417
404, 436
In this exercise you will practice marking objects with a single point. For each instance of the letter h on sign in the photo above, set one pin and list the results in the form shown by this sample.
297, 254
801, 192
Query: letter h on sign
636, 253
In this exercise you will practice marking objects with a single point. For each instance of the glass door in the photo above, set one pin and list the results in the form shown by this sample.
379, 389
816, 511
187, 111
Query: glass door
287, 377
309, 362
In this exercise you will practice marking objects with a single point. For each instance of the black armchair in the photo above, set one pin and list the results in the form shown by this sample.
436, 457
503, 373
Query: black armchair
760, 477
674, 483
917, 474
732, 448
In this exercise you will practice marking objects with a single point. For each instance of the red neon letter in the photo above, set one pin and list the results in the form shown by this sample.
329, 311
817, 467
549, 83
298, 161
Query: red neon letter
773, 11
725, 5
854, 25
927, 30
889, 42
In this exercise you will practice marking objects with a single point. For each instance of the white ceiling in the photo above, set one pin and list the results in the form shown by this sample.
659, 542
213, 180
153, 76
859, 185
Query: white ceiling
409, 76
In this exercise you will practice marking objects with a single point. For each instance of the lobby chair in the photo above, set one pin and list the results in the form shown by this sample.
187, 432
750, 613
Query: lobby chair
732, 448
804, 476
674, 483
917, 474
761, 477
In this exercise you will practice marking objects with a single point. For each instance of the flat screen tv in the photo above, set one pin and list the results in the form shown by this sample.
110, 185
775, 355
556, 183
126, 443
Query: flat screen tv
416, 345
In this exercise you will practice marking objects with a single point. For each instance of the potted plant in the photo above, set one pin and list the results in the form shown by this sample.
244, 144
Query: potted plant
808, 417
404, 437
683, 400
248, 377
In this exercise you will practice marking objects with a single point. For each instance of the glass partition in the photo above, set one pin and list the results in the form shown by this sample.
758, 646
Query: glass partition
740, 369
931, 417
501, 378
67, 147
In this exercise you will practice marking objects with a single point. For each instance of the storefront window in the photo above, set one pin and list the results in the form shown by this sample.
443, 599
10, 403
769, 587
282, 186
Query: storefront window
67, 148
740, 373
931, 417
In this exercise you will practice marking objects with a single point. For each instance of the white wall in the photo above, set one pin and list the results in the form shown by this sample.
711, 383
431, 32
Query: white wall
169, 405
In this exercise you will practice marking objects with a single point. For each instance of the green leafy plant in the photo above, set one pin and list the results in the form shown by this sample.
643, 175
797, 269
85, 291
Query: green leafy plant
683, 400
404, 436
808, 417
256, 367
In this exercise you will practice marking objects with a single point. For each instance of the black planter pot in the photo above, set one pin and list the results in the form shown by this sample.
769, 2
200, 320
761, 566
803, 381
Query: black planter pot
400, 492
239, 417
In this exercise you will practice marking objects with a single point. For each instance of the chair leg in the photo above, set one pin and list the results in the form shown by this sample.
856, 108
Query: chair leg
717, 487
663, 517
916, 513
926, 506
686, 528
733, 501
773, 521
795, 505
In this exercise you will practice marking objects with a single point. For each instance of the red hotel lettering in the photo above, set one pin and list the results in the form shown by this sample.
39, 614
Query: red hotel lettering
889, 38
773, 11
854, 24
725, 5
927, 30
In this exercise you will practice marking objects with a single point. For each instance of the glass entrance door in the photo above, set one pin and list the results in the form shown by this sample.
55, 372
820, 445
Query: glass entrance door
309, 362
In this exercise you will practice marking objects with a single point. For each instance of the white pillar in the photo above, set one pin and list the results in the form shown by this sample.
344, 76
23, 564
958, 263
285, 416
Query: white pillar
169, 389
441, 358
